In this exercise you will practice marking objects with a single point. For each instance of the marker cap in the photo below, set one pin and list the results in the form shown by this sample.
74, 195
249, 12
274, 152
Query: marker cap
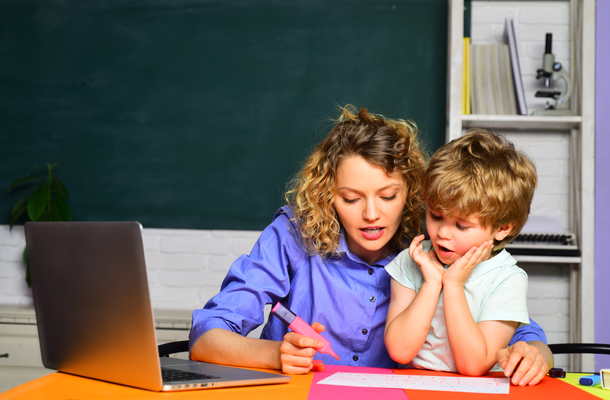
284, 314
590, 380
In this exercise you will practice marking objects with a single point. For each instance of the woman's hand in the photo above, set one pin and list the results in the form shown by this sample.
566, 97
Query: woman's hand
525, 363
431, 268
297, 351
459, 272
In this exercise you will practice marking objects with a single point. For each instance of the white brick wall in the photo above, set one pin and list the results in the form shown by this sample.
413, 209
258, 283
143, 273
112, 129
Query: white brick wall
549, 284
13, 289
550, 152
548, 302
186, 267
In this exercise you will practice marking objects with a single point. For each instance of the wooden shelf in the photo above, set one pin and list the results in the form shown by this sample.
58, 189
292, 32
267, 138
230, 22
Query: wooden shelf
521, 122
164, 319
548, 259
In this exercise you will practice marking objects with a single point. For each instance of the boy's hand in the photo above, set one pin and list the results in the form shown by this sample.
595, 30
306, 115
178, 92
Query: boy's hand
458, 273
297, 351
431, 268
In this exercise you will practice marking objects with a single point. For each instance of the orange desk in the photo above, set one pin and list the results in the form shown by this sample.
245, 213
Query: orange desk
63, 386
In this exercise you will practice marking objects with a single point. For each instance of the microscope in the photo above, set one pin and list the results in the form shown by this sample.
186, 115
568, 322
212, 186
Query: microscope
552, 71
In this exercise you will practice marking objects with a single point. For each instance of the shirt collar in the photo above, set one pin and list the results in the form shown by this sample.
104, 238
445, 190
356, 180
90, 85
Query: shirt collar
343, 250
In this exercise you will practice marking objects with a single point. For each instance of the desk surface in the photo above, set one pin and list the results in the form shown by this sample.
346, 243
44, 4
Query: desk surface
64, 386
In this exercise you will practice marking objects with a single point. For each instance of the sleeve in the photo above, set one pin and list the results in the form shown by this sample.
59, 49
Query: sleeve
405, 271
254, 280
508, 300
528, 333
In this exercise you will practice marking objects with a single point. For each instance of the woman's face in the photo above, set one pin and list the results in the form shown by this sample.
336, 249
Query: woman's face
369, 204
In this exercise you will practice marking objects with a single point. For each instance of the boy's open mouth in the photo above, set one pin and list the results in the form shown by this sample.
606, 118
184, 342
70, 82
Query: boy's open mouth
444, 249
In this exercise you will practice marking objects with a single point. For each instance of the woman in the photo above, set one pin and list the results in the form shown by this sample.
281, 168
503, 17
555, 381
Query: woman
351, 209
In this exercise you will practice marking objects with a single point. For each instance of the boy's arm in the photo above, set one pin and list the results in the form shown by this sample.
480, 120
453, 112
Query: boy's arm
410, 313
409, 318
474, 346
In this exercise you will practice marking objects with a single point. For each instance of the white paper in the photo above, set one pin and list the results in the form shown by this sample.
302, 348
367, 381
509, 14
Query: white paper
420, 382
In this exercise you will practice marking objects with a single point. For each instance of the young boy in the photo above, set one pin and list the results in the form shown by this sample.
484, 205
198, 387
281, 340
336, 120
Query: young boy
459, 297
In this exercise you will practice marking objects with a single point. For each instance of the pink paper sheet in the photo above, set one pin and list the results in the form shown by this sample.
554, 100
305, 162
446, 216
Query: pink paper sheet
330, 392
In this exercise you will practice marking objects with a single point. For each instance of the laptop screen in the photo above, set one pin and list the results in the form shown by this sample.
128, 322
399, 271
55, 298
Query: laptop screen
92, 303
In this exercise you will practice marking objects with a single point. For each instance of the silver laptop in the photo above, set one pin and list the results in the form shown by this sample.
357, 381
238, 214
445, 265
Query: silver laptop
94, 314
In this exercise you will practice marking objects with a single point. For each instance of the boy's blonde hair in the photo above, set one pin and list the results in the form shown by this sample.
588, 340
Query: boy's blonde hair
390, 144
482, 174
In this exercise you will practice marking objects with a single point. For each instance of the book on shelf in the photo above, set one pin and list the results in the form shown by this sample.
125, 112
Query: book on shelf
511, 39
493, 90
466, 84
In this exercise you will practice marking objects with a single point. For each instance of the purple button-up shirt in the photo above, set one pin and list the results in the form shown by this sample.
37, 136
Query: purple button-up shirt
344, 293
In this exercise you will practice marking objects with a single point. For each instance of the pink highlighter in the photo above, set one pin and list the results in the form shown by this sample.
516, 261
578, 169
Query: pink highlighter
301, 327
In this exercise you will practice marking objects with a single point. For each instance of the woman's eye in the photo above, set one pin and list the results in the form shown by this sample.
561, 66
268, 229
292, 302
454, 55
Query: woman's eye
390, 198
350, 201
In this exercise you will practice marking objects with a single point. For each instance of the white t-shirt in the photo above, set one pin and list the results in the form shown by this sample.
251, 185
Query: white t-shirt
496, 291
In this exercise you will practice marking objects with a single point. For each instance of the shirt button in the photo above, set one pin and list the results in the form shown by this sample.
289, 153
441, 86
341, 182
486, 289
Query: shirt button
371, 271
355, 358
372, 299
365, 331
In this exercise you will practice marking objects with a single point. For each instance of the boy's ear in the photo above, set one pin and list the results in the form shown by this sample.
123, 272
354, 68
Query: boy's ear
503, 231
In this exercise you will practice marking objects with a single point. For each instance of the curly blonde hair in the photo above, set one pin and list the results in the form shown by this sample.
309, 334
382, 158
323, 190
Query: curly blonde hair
390, 144
482, 174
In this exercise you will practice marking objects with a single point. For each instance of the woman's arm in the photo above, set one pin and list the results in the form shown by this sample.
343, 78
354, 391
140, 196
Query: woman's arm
294, 355
221, 346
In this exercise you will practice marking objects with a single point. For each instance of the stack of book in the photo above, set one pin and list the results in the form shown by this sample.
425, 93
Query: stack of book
496, 87
493, 91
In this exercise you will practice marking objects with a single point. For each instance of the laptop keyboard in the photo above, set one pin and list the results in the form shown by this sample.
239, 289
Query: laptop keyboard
171, 375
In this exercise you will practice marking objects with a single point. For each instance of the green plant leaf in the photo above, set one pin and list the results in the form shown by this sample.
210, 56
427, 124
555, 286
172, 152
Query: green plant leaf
50, 212
46, 203
39, 201
59, 189
62, 208
21, 181
18, 210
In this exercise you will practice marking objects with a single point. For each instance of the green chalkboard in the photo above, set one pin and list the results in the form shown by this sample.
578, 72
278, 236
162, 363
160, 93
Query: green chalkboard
195, 113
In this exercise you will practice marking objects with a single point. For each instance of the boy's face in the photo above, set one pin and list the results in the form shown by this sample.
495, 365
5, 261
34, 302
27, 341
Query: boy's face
453, 235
